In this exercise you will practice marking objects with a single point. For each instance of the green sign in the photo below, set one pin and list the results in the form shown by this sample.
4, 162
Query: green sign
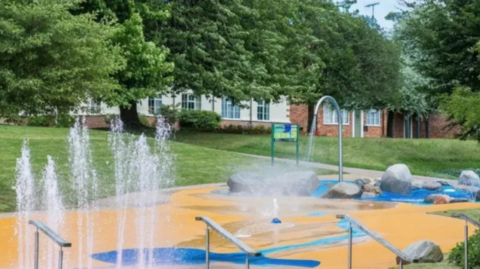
285, 133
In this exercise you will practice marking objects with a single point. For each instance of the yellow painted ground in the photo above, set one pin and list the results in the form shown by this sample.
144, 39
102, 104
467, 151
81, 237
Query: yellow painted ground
249, 217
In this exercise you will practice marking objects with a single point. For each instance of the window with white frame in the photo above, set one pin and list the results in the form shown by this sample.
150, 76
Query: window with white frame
373, 117
263, 110
154, 105
191, 102
330, 115
94, 106
229, 111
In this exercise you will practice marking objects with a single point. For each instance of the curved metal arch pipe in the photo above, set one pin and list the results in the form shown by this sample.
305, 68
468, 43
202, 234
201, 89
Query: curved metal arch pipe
340, 125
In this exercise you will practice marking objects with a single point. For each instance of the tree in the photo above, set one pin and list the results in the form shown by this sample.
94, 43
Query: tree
445, 34
146, 71
52, 61
340, 54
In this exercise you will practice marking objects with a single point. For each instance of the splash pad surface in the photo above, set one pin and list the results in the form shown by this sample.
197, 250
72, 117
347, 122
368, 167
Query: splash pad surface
310, 236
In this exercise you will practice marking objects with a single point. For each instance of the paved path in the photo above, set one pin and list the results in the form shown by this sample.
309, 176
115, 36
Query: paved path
353, 171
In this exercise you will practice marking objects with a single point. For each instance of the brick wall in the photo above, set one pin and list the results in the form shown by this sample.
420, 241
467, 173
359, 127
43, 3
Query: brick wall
299, 115
332, 129
439, 127
96, 122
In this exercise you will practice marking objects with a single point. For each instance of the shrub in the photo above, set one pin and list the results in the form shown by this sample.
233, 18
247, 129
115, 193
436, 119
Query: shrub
62, 121
65, 121
197, 119
41, 121
144, 120
171, 113
458, 253
239, 129
108, 118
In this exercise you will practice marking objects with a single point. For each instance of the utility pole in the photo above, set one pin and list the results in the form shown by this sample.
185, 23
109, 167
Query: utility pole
373, 8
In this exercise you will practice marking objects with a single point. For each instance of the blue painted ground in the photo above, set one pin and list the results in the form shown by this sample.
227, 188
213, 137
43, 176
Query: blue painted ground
190, 256
416, 197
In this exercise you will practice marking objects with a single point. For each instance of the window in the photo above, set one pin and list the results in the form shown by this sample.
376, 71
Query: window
229, 111
154, 105
373, 117
191, 102
263, 110
94, 106
330, 115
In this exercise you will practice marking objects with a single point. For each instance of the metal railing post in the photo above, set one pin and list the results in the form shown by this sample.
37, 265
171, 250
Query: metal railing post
350, 239
60, 258
466, 244
207, 248
37, 246
247, 262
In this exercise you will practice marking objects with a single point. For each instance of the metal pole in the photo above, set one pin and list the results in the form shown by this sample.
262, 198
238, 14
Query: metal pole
207, 248
350, 245
466, 245
37, 239
340, 145
247, 262
273, 143
60, 258
298, 143
401, 263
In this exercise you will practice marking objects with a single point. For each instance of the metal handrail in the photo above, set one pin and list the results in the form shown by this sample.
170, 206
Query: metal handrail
225, 234
403, 257
467, 220
52, 235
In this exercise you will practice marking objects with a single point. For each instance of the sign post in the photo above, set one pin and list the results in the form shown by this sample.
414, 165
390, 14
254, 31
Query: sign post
285, 133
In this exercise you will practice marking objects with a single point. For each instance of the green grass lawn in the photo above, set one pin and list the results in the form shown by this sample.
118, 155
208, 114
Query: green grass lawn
194, 164
473, 213
429, 157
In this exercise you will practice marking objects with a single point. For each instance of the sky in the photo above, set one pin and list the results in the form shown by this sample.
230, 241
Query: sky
381, 10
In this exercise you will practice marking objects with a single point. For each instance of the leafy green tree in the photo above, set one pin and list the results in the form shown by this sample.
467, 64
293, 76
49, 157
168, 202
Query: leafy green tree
340, 54
146, 71
52, 61
445, 35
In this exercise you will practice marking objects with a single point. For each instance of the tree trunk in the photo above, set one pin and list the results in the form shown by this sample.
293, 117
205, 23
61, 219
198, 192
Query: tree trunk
311, 114
390, 118
129, 116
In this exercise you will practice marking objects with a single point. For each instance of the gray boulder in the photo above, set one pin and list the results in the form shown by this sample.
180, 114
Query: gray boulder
289, 184
360, 182
397, 179
424, 251
443, 182
432, 186
469, 178
473, 192
246, 182
294, 183
344, 190
417, 184
368, 195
